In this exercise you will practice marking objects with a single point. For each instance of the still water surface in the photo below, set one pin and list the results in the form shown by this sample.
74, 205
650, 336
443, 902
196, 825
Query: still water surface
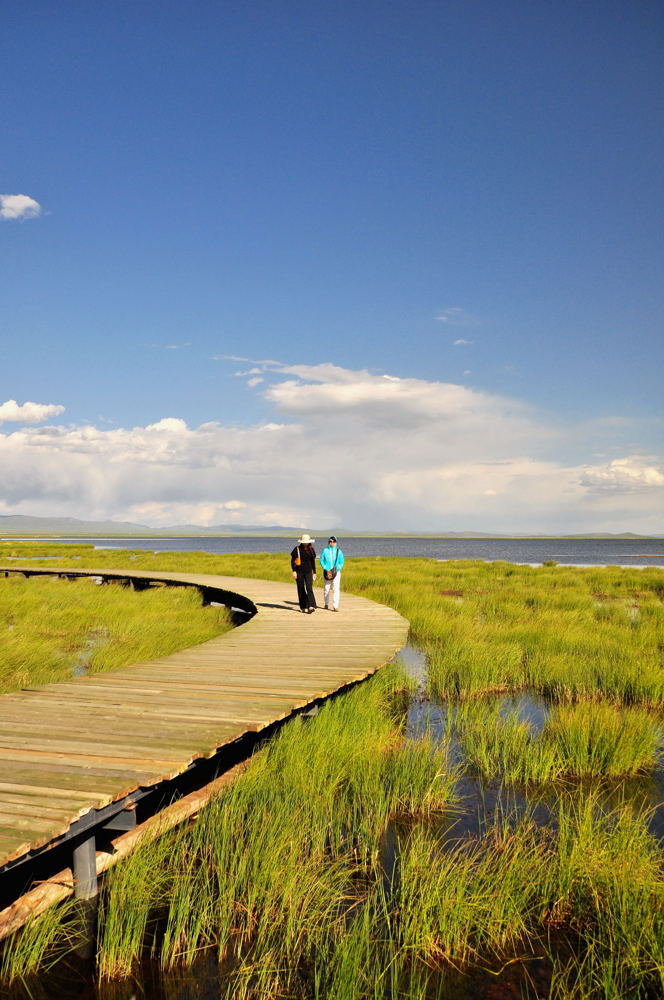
572, 551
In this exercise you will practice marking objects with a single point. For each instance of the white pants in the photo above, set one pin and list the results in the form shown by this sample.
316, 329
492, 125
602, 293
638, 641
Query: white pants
332, 587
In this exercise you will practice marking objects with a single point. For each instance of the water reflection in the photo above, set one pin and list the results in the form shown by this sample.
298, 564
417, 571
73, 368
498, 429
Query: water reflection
481, 799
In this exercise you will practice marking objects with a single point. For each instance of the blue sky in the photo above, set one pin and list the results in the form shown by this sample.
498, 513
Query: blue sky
464, 196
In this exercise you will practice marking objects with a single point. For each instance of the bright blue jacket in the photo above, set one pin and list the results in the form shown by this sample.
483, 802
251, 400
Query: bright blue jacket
332, 556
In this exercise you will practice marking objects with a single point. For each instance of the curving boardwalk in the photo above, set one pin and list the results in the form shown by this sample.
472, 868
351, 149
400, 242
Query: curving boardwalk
78, 745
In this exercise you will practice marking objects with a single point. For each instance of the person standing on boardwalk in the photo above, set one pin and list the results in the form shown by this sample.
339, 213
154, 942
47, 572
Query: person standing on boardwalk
303, 565
331, 560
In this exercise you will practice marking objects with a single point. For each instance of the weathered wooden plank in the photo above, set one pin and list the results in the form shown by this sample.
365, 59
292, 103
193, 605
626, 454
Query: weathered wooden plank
81, 745
34, 824
118, 763
15, 805
7, 788
153, 727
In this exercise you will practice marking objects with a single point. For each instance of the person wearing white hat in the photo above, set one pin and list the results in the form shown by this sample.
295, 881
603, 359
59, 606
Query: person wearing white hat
303, 566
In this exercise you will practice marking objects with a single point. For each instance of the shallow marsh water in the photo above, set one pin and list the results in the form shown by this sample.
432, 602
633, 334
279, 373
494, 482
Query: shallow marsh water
480, 798
479, 801
96, 638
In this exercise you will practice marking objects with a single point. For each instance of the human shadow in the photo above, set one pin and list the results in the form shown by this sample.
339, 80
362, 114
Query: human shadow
280, 607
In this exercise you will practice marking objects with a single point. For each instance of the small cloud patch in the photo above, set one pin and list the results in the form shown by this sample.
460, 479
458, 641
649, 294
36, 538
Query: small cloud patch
28, 413
451, 315
18, 206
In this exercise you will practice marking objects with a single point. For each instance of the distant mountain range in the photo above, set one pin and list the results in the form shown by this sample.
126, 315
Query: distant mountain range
25, 524
22, 524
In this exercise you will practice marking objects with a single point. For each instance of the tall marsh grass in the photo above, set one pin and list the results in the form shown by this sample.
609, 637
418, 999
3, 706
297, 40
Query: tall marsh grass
40, 944
51, 629
577, 741
568, 633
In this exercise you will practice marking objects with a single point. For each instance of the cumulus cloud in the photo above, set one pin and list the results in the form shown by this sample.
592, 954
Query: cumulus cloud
28, 413
340, 447
18, 206
174, 425
624, 475
460, 341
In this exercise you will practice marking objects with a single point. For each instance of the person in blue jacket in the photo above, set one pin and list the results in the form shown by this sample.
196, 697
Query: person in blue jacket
331, 560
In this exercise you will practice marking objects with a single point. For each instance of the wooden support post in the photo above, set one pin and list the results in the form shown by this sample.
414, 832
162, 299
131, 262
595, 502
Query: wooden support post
84, 865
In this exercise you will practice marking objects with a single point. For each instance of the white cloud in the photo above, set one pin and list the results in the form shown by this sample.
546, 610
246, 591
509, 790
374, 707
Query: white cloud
251, 382
18, 206
28, 413
462, 340
173, 425
340, 447
451, 315
237, 357
624, 475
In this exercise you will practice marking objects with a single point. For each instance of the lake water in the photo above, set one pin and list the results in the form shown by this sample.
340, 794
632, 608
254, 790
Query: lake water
534, 551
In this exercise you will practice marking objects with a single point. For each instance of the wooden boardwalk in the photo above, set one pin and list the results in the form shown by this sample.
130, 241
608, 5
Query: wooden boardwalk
78, 745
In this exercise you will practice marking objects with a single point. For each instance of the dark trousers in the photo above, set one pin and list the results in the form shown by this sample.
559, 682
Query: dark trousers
305, 590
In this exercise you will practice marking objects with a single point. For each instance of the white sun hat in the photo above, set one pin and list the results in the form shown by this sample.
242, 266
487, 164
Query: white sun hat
305, 540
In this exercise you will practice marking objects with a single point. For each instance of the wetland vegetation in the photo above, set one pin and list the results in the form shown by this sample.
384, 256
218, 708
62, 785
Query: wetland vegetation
486, 830
51, 630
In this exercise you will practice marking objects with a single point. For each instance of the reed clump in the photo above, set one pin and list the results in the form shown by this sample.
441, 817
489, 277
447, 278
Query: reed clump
40, 944
606, 884
575, 741
598, 739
